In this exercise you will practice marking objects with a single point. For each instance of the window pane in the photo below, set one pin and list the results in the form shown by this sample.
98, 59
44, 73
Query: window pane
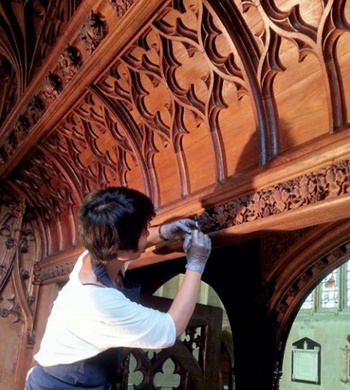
329, 290
347, 294
309, 301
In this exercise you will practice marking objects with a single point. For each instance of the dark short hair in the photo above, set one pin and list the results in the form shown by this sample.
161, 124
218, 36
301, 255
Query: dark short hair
113, 219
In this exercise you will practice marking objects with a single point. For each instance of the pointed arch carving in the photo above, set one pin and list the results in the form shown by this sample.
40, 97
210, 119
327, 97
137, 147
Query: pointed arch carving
299, 271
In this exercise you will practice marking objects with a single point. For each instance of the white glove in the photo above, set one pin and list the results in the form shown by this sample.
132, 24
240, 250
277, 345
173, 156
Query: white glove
177, 230
197, 247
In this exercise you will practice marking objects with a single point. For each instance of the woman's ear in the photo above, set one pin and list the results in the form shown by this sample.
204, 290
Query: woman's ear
123, 255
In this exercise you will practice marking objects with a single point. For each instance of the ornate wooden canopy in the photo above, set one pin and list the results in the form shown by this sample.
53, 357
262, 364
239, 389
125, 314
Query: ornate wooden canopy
234, 112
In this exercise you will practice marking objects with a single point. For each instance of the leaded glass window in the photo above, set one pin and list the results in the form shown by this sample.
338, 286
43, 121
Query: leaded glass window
330, 290
347, 300
332, 293
309, 301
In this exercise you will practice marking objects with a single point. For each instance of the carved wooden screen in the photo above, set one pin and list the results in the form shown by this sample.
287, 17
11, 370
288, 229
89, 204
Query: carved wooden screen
195, 357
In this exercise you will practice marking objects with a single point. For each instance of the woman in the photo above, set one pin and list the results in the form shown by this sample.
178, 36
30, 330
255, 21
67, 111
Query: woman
97, 312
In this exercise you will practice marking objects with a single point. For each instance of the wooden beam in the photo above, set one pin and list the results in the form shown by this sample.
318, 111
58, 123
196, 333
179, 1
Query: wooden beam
329, 210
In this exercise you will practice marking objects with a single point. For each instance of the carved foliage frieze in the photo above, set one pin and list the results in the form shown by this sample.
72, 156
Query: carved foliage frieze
69, 62
121, 6
94, 30
299, 192
52, 87
293, 194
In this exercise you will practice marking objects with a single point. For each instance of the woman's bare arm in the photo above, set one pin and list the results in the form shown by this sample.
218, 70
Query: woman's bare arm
185, 301
197, 248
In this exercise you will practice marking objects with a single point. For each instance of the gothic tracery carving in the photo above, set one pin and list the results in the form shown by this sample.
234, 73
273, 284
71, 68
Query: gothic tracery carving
12, 309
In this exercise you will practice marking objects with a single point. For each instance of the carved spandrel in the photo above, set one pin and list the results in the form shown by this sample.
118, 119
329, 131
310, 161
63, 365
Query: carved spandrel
225, 61
275, 246
171, 119
311, 36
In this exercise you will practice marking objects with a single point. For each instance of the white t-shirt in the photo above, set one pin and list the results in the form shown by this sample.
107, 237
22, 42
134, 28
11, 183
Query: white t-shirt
88, 319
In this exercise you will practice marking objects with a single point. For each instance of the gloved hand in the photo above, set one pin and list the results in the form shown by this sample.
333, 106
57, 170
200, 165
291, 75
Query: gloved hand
197, 247
177, 230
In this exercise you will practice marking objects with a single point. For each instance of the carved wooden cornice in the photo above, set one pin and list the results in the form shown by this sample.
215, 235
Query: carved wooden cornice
328, 182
